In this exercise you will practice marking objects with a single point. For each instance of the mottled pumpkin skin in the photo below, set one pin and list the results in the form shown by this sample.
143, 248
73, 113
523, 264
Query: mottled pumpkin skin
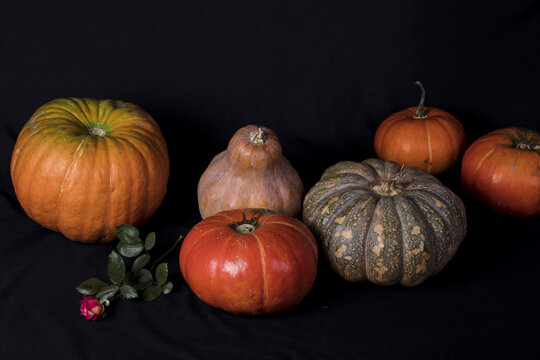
84, 166
502, 169
250, 174
381, 223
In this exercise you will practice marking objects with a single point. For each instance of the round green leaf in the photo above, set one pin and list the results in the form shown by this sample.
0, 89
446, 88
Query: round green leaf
162, 272
90, 286
116, 268
128, 292
128, 249
167, 288
107, 292
151, 293
150, 241
142, 286
128, 233
140, 262
143, 276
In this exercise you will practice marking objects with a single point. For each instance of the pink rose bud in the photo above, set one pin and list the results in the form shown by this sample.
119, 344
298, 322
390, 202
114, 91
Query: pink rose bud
91, 308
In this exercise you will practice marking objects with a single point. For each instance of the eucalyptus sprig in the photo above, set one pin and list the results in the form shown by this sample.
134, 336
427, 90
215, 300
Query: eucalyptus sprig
127, 284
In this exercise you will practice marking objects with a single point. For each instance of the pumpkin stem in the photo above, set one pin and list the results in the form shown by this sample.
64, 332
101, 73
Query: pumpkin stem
386, 188
523, 146
246, 226
97, 131
420, 113
257, 137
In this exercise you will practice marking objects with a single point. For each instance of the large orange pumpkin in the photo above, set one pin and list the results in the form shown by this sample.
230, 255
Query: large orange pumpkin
502, 168
426, 137
249, 261
84, 166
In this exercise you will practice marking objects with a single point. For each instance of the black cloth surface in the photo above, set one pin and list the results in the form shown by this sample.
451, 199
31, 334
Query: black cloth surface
323, 75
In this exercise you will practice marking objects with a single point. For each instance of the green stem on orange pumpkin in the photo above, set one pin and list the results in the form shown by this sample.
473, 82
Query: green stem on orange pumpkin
420, 113
167, 252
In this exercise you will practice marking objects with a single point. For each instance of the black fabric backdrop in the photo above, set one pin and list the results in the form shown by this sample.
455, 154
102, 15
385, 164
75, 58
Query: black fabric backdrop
323, 75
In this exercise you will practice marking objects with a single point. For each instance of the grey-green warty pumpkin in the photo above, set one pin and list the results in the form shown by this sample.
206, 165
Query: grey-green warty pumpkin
379, 222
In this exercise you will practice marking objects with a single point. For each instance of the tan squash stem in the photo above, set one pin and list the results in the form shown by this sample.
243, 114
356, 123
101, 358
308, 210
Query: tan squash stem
257, 137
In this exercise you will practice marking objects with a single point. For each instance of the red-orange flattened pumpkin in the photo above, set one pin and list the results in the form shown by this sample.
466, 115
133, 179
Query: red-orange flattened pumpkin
502, 168
84, 166
249, 261
426, 137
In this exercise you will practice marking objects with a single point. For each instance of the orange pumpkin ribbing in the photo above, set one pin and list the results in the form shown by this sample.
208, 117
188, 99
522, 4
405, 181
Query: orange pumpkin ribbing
84, 166
425, 137
267, 269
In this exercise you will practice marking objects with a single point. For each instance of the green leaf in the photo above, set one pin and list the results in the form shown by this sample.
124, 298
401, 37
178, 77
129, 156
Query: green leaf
143, 275
107, 292
167, 288
116, 268
140, 262
142, 286
151, 293
128, 292
129, 250
162, 272
90, 286
150, 241
128, 233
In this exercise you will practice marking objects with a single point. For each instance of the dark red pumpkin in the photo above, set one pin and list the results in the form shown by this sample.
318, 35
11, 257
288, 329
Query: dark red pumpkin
426, 137
249, 261
502, 169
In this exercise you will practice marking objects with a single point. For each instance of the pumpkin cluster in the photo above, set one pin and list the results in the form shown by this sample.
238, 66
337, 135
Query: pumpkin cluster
249, 255
85, 166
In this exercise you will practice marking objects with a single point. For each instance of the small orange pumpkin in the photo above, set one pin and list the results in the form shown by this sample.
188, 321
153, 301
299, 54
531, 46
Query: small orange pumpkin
84, 166
251, 173
426, 137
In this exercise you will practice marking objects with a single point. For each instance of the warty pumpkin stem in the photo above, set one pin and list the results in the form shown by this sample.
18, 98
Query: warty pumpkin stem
246, 226
97, 131
420, 113
257, 137
386, 188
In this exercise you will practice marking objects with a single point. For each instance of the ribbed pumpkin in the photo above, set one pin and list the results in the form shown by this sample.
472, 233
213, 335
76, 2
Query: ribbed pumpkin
426, 137
84, 166
379, 222
502, 168
250, 261
251, 173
